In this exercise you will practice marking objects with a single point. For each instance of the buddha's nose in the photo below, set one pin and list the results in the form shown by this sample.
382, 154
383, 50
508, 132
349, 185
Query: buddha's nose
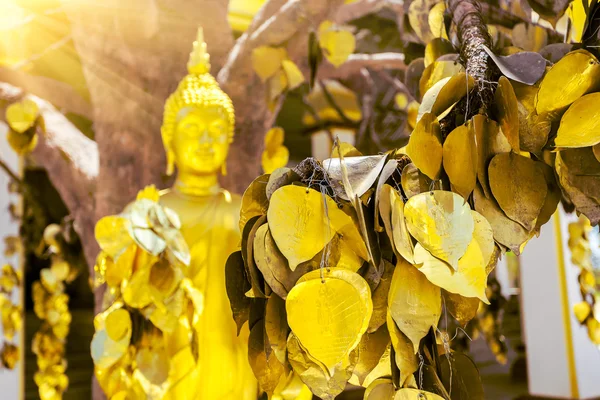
205, 138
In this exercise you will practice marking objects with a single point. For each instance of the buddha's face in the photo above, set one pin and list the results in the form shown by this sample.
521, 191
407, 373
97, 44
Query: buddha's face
201, 139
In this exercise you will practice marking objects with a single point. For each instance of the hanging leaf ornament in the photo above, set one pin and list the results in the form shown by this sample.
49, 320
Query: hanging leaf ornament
366, 250
415, 303
441, 222
143, 258
337, 42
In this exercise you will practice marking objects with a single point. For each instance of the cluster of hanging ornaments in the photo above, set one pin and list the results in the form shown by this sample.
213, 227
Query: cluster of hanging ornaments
350, 261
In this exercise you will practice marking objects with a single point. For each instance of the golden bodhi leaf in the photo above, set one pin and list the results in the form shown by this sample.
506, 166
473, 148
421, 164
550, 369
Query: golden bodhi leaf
418, 16
596, 151
274, 266
323, 384
470, 280
275, 155
507, 111
401, 239
291, 387
22, 115
437, 71
276, 327
490, 141
373, 349
414, 181
380, 389
414, 302
405, 356
574, 75
506, 231
462, 308
254, 200
436, 20
362, 173
266, 366
442, 222
582, 310
314, 224
415, 394
519, 186
294, 76
118, 323
437, 48
329, 315
266, 60
22, 143
460, 159
580, 126
380, 298
337, 42
442, 96
425, 146
112, 235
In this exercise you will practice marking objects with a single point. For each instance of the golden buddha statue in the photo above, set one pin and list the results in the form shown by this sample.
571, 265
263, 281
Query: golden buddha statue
197, 130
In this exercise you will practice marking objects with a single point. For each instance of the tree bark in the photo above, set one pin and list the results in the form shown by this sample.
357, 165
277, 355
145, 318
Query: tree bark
473, 35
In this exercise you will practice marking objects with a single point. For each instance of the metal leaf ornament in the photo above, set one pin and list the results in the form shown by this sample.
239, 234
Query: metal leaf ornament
367, 251
314, 249
142, 261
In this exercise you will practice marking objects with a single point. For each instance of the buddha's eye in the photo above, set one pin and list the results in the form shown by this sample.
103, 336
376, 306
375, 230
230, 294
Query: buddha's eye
217, 128
190, 128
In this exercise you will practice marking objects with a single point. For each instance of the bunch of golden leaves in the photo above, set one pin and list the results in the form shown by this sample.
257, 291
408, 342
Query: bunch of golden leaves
275, 155
143, 262
51, 305
273, 66
12, 315
343, 270
588, 310
542, 128
23, 119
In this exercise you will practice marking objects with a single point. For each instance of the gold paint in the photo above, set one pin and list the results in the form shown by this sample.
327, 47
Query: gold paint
564, 295
197, 130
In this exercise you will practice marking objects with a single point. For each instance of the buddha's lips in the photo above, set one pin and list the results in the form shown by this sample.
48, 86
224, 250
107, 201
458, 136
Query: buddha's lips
205, 153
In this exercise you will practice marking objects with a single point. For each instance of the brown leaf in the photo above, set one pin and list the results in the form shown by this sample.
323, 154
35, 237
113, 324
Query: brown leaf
461, 377
267, 368
371, 348
525, 67
460, 159
462, 308
519, 186
425, 146
237, 285
254, 200
489, 143
506, 231
380, 297
414, 181
505, 105
276, 327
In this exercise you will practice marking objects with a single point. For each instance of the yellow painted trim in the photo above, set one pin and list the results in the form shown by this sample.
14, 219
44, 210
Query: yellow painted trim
21, 262
564, 294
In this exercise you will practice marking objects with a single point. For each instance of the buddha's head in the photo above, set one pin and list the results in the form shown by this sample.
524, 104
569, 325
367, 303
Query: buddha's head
199, 121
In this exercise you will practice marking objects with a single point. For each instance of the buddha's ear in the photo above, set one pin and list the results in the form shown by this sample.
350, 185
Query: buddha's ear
170, 162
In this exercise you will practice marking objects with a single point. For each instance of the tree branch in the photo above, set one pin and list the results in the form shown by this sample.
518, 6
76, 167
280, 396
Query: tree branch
472, 36
289, 25
356, 62
71, 160
63, 96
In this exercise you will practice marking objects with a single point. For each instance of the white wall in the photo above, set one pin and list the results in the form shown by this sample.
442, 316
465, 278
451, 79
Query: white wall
10, 381
562, 361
